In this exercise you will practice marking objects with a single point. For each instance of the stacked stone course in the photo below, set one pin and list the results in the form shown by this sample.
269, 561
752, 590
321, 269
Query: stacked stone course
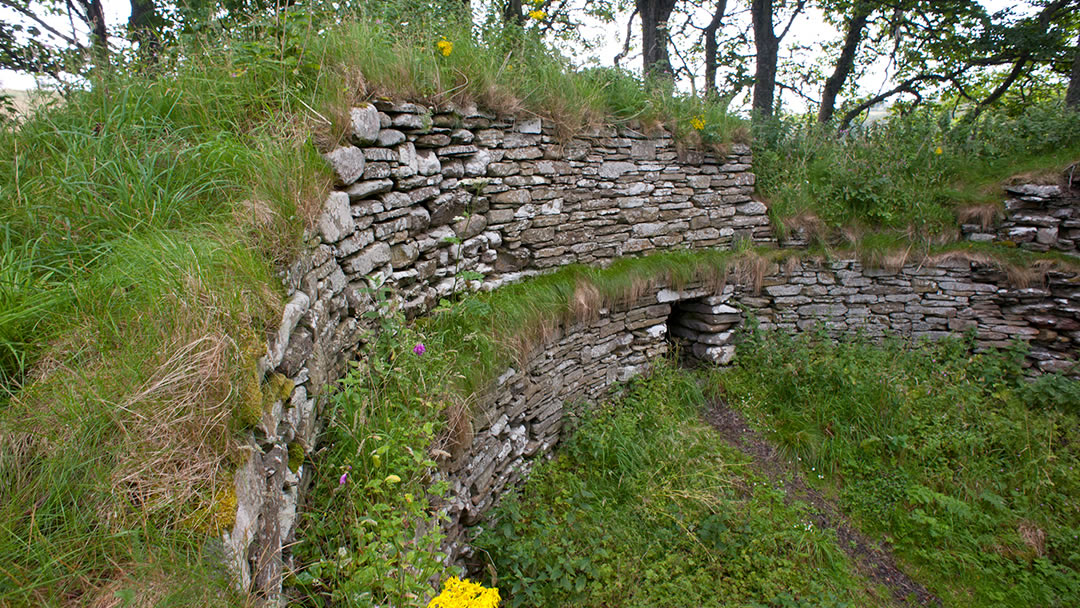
522, 419
704, 327
1037, 217
925, 302
432, 202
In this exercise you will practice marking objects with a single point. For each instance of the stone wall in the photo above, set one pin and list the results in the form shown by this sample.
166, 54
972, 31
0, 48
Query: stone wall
430, 202
1037, 217
924, 301
522, 418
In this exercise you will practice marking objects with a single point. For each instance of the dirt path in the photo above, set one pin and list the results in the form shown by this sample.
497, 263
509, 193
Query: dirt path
872, 560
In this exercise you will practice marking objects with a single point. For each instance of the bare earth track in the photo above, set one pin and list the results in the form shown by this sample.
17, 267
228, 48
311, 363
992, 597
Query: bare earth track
871, 558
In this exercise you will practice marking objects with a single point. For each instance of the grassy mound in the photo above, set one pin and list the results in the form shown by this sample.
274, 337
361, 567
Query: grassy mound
916, 176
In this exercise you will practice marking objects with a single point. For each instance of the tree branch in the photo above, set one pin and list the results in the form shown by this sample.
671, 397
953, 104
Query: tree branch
798, 9
907, 86
626, 42
45, 26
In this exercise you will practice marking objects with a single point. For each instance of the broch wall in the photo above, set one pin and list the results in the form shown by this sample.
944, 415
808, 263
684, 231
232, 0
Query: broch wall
431, 202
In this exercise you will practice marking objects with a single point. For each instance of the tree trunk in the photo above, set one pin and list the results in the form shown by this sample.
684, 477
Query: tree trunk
654, 37
767, 46
143, 24
711, 49
99, 34
1072, 95
845, 62
512, 13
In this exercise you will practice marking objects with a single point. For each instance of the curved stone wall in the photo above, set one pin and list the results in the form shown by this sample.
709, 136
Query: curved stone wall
432, 202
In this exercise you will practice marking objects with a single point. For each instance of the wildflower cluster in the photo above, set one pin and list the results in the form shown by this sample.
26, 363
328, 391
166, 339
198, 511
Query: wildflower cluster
458, 593
698, 123
445, 46
537, 11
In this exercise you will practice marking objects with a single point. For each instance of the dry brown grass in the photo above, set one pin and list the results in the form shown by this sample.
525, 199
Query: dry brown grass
1050, 176
809, 224
1033, 536
634, 291
177, 432
1019, 276
585, 303
750, 270
457, 436
985, 215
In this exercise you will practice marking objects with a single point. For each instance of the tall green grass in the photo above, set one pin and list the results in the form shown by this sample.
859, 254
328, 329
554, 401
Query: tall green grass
644, 506
910, 172
970, 471
511, 71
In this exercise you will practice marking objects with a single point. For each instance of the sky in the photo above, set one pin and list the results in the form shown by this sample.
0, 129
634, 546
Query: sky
809, 30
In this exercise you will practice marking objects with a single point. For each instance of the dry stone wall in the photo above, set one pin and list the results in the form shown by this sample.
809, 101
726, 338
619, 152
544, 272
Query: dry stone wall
430, 202
1037, 217
920, 301
522, 419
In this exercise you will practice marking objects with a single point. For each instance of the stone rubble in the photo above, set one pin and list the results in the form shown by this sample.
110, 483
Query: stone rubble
1037, 218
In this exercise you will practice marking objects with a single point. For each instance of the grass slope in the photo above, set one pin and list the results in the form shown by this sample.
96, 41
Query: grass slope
645, 506
969, 471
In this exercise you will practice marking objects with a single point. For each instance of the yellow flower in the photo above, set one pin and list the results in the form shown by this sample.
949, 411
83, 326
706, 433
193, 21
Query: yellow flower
445, 47
465, 594
537, 14
938, 151
698, 123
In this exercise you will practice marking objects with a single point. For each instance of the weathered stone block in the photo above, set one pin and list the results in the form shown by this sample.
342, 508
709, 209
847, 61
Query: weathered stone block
347, 163
336, 221
365, 125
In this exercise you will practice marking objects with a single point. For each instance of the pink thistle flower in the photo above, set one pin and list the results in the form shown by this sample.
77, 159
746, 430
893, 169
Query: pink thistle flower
419, 348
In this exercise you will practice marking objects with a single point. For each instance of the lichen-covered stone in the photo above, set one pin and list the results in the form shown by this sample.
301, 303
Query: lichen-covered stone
365, 125
336, 221
347, 162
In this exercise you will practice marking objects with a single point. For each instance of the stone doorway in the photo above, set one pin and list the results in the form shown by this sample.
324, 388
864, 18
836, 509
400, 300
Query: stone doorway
703, 328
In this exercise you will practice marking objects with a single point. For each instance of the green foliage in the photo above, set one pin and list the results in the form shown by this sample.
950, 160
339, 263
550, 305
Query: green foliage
949, 454
372, 537
504, 69
644, 507
910, 171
